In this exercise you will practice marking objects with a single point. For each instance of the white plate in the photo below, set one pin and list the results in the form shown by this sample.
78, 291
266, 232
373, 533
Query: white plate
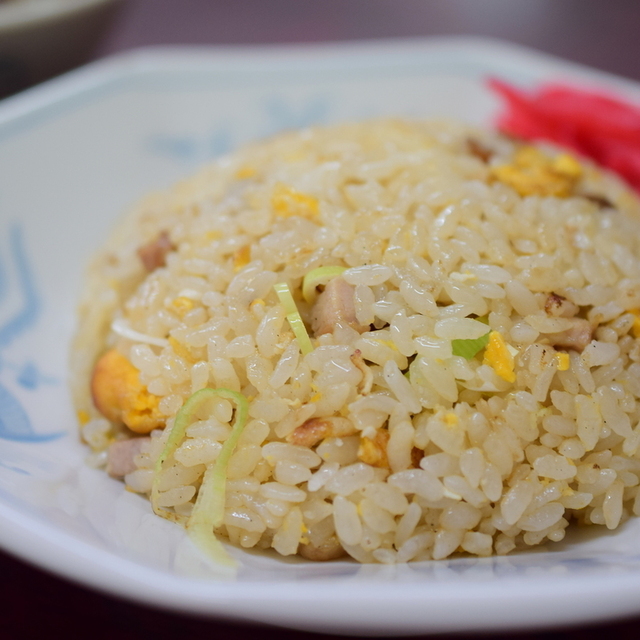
73, 154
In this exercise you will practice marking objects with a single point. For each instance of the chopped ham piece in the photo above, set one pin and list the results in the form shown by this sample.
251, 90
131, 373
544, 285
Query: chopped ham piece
477, 149
576, 338
328, 550
416, 456
154, 253
601, 201
559, 307
121, 454
335, 305
313, 430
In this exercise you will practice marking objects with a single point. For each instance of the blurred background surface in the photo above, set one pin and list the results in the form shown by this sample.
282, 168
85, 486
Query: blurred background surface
41, 38
595, 32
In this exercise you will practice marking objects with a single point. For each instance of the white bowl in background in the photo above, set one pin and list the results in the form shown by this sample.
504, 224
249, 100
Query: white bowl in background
42, 38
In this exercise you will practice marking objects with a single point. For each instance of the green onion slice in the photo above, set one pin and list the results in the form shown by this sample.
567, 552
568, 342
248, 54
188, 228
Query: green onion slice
318, 277
469, 348
293, 317
208, 510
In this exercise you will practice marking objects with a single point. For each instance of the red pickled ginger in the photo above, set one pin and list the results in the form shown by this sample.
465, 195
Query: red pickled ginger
596, 125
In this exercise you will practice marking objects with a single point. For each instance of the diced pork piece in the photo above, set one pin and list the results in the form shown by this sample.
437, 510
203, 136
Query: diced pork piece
335, 305
120, 456
313, 430
329, 550
154, 253
416, 456
477, 149
559, 307
576, 338
601, 201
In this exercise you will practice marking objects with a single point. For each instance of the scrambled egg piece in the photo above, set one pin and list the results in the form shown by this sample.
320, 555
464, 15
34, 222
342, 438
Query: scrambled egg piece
304, 538
450, 419
317, 396
182, 305
120, 396
635, 329
245, 172
373, 451
181, 350
499, 358
564, 361
533, 173
241, 258
287, 202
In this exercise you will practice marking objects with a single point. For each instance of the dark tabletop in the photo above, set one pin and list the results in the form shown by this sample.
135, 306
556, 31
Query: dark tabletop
600, 33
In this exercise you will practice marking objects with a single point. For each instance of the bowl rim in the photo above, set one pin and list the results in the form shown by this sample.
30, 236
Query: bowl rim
27, 13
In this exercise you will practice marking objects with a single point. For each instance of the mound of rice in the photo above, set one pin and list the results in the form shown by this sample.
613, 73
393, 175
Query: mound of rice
472, 380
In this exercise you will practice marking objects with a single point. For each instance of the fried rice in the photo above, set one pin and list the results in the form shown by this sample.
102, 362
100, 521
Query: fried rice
392, 341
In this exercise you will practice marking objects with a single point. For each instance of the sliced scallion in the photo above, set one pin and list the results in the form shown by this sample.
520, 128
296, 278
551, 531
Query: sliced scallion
208, 510
293, 317
469, 348
316, 278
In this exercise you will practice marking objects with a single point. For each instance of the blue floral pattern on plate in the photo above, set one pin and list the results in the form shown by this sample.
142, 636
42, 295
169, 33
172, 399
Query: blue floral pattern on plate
14, 419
